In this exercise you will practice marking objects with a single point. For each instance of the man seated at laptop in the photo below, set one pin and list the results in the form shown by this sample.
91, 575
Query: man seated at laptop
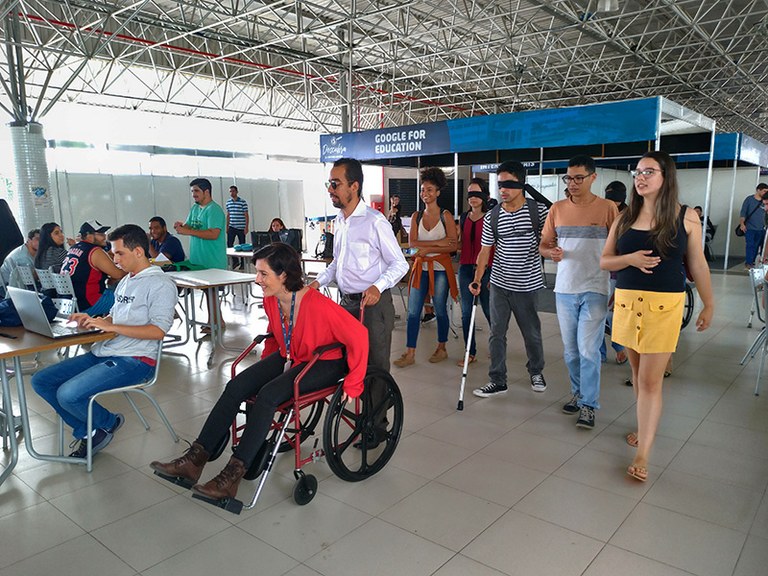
89, 266
163, 242
140, 317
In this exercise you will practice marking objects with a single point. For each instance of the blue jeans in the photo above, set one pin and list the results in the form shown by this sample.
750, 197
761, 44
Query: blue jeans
754, 241
466, 275
609, 323
69, 385
439, 302
582, 324
103, 305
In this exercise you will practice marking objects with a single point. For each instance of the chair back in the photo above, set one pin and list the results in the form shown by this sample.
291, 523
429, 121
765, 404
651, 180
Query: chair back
63, 285
65, 306
45, 277
25, 277
757, 277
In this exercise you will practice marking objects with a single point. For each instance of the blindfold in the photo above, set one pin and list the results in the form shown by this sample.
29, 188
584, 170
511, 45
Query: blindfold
477, 194
511, 184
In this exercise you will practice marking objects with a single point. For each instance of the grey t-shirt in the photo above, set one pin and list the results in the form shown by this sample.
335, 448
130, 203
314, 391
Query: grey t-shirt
145, 298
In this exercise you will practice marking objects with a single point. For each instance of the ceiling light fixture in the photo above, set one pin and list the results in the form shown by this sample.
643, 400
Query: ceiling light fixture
607, 5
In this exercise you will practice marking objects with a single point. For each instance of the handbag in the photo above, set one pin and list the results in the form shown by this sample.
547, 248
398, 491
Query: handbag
739, 232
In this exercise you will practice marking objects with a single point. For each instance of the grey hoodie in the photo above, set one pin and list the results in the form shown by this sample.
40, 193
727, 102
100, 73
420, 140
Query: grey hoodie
145, 298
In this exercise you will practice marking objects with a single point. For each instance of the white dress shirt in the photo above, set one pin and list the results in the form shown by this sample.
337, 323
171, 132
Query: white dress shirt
365, 253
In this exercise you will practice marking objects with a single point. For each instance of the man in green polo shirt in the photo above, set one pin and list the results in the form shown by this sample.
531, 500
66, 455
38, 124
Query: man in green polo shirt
205, 226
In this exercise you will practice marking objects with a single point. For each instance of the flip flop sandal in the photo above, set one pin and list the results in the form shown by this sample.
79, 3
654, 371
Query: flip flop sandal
631, 439
638, 472
623, 360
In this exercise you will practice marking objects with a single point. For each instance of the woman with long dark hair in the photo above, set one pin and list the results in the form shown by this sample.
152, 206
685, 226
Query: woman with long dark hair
51, 250
647, 246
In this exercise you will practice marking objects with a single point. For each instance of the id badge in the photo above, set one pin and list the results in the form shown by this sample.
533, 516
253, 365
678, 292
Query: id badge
287, 365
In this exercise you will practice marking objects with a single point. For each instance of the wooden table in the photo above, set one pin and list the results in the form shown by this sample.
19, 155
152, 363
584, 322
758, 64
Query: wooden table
12, 350
209, 280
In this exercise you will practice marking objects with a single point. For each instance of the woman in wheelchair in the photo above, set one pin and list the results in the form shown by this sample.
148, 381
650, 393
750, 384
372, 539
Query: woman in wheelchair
300, 320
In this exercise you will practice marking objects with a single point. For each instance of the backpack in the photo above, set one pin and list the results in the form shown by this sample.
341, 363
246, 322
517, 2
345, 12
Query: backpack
533, 211
442, 220
9, 316
324, 248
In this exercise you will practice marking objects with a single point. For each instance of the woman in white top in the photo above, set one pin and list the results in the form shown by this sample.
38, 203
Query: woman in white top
434, 234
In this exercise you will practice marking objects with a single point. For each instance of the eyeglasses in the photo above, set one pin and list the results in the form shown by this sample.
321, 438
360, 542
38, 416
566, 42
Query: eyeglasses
333, 184
648, 172
577, 179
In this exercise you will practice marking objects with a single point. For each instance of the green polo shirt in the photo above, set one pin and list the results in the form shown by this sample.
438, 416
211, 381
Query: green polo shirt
208, 253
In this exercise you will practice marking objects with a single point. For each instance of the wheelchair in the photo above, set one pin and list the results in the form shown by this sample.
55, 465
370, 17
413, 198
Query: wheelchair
353, 446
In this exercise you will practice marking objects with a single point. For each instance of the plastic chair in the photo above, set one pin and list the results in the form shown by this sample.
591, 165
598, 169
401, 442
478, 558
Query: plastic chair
45, 277
757, 277
63, 285
25, 277
140, 388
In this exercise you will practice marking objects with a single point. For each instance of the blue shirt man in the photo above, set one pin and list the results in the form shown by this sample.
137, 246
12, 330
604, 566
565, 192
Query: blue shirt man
161, 242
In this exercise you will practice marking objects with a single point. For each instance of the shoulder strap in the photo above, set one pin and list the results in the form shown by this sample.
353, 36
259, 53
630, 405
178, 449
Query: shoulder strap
419, 217
533, 210
495, 211
753, 211
681, 216
462, 220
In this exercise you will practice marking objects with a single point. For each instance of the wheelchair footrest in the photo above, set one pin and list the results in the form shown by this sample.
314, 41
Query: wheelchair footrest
178, 480
229, 504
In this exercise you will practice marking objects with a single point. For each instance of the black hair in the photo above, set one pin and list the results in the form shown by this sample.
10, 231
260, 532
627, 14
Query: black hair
762, 186
434, 175
515, 168
698, 208
583, 160
483, 190
277, 220
233, 186
160, 220
353, 172
202, 183
31, 233
283, 258
132, 235
46, 241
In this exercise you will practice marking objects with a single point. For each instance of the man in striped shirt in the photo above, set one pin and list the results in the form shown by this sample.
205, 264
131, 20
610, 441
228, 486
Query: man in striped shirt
237, 221
516, 278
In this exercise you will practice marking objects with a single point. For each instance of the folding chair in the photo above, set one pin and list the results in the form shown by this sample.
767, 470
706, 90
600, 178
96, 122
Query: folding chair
45, 277
63, 285
25, 277
757, 277
140, 388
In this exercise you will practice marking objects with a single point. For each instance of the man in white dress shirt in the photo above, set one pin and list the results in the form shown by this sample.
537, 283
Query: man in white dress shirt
367, 259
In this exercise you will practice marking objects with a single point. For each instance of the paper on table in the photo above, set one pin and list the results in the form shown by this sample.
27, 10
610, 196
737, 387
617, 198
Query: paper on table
162, 258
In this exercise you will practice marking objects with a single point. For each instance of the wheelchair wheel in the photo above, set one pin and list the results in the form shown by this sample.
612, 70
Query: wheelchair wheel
690, 302
360, 435
304, 489
310, 416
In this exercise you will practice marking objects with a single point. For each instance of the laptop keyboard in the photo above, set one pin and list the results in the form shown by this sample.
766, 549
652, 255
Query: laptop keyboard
59, 330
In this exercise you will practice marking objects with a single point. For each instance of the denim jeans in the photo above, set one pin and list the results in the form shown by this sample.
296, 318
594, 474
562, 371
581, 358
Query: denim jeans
524, 305
103, 305
466, 275
582, 324
69, 385
754, 242
609, 323
439, 301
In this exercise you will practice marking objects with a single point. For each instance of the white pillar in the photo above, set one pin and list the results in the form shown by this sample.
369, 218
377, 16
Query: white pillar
32, 179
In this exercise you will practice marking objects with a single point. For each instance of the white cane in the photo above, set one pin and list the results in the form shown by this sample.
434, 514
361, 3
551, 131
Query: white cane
470, 337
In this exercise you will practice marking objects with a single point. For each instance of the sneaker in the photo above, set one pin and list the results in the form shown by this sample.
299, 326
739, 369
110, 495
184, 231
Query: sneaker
586, 418
572, 406
490, 389
101, 440
428, 317
628, 382
119, 421
538, 384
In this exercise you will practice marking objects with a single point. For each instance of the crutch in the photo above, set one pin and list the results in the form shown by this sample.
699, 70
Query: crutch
470, 337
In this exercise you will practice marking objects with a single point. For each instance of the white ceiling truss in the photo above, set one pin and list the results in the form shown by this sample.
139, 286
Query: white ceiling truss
291, 63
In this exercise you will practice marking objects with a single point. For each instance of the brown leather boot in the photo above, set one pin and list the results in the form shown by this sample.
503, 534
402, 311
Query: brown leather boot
225, 484
187, 467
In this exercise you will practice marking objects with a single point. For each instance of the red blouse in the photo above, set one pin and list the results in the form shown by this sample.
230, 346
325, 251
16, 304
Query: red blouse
321, 321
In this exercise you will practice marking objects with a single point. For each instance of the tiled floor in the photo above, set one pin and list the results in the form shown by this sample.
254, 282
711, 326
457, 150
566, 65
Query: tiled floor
508, 486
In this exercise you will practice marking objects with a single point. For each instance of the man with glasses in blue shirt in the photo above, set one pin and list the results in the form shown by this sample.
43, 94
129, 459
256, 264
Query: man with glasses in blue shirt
752, 223
573, 236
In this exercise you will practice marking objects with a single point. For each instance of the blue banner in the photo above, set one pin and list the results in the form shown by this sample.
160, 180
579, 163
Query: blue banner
400, 142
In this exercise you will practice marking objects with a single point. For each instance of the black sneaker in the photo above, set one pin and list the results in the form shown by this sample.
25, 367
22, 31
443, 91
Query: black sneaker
628, 382
586, 418
538, 384
572, 406
428, 317
101, 440
490, 389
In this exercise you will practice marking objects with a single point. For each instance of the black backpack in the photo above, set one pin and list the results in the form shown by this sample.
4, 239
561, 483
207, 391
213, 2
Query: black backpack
324, 248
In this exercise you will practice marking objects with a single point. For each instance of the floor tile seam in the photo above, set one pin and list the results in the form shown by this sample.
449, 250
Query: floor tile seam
508, 507
754, 518
651, 558
3, 568
691, 517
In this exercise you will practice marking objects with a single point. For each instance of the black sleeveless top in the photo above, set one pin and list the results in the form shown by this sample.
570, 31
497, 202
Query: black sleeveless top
668, 276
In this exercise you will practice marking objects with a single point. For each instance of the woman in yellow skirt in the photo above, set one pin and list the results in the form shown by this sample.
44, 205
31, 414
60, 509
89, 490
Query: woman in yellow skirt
646, 246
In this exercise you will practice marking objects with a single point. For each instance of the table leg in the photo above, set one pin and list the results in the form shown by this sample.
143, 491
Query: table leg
8, 423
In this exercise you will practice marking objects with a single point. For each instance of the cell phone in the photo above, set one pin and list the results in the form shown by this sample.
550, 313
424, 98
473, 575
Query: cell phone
410, 251
10, 336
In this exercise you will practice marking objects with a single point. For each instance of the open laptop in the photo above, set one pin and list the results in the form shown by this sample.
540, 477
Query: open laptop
34, 319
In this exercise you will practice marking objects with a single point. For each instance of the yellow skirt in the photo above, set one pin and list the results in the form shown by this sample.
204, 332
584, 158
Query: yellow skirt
647, 322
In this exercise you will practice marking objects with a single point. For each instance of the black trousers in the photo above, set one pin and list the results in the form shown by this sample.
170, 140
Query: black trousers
271, 386
235, 233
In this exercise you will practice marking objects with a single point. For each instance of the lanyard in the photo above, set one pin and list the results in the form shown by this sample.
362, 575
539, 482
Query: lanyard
287, 334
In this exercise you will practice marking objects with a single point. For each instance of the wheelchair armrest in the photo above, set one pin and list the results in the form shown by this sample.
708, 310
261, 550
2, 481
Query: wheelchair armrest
261, 337
323, 349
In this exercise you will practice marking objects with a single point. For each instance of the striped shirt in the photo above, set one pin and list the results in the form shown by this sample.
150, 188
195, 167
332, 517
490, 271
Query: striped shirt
237, 209
516, 261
